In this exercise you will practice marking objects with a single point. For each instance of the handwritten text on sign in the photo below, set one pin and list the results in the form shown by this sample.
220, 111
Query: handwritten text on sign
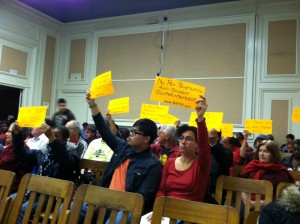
179, 93
118, 106
227, 130
259, 126
153, 112
102, 85
31, 116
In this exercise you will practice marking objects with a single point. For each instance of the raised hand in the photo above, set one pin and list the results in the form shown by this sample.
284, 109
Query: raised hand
89, 100
46, 129
201, 108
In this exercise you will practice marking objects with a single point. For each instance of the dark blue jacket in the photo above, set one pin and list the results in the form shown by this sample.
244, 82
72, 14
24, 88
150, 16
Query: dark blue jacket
144, 170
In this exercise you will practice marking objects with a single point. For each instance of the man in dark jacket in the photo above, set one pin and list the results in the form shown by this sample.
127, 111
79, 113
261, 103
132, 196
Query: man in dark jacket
63, 115
133, 167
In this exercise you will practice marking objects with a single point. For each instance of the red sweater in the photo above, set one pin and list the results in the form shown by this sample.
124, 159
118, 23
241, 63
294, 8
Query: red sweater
190, 184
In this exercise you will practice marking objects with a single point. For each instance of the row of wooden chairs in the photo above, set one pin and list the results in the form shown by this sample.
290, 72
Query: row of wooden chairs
59, 194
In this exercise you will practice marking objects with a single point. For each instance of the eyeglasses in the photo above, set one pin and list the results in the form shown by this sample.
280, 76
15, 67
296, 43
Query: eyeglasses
187, 139
267, 141
133, 132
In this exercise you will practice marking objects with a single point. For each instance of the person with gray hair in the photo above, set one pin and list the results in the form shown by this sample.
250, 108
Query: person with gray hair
74, 128
166, 146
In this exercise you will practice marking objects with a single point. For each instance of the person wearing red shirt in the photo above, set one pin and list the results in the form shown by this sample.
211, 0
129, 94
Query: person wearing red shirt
186, 177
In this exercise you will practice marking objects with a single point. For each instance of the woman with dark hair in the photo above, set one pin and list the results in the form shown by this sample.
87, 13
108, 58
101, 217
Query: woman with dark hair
186, 176
266, 166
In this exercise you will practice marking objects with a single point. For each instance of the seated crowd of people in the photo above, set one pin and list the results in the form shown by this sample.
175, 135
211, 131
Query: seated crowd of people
177, 161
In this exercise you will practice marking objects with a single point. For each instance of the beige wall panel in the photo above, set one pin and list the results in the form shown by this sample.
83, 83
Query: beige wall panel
13, 59
208, 51
77, 57
130, 56
48, 70
279, 116
221, 95
282, 47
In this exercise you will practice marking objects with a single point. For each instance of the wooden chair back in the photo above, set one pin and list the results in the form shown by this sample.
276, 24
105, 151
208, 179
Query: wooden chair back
285, 154
237, 170
281, 186
6, 182
94, 167
100, 200
236, 186
296, 176
192, 212
54, 194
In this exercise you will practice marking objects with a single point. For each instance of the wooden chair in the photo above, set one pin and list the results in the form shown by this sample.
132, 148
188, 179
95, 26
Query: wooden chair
252, 217
6, 182
281, 186
296, 176
58, 192
7, 179
101, 199
94, 167
192, 212
237, 170
285, 154
235, 186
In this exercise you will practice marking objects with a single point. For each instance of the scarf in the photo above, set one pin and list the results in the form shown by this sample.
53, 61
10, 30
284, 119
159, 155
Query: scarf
262, 168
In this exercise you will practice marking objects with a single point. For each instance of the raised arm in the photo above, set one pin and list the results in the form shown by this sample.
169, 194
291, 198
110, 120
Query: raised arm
245, 143
202, 138
111, 139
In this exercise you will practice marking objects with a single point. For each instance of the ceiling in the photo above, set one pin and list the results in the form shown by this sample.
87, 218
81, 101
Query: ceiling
67, 11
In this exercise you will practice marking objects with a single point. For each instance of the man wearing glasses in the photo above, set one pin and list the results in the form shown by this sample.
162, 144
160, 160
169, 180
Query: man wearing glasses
133, 167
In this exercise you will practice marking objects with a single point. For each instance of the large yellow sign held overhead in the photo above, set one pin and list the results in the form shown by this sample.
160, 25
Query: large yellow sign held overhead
178, 93
32, 116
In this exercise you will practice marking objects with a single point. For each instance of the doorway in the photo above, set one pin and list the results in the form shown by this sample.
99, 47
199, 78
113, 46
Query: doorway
9, 105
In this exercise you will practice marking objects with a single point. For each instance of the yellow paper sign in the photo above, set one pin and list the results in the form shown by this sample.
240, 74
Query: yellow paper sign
178, 93
118, 106
227, 130
102, 85
212, 119
296, 114
258, 126
168, 119
153, 112
31, 116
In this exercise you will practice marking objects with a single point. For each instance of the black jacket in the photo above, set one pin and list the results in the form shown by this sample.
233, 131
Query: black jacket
284, 211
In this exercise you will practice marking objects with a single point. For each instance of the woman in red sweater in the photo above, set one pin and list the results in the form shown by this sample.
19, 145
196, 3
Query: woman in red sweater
186, 177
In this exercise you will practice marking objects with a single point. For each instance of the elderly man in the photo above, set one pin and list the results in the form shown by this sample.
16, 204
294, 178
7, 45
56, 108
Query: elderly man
39, 141
74, 128
166, 146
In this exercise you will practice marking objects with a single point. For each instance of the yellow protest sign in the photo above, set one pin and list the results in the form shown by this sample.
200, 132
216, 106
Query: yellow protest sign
296, 114
102, 85
118, 106
212, 119
168, 119
178, 93
153, 112
227, 130
31, 116
258, 126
